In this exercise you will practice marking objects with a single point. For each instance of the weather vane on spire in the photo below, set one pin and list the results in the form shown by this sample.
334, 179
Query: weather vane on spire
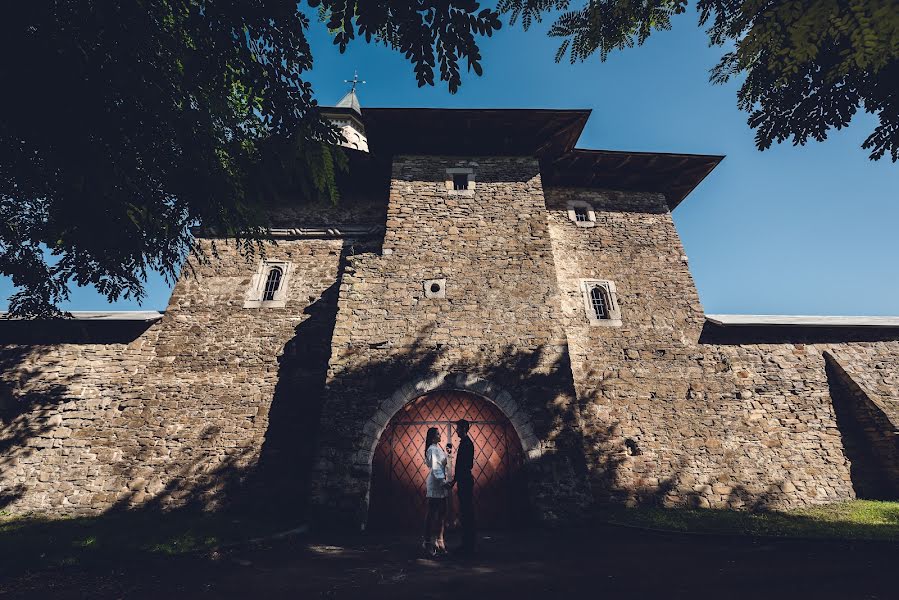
354, 80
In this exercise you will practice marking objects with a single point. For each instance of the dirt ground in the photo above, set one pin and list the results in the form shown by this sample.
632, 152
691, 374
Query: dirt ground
592, 562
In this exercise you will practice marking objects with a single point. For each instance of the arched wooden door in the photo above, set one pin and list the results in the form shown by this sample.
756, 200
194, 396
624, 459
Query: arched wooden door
399, 473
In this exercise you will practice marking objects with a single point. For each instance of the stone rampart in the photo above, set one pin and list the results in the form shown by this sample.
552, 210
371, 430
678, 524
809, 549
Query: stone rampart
661, 408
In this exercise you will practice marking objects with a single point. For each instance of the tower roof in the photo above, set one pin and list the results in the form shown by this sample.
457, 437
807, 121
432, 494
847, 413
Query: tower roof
548, 134
350, 101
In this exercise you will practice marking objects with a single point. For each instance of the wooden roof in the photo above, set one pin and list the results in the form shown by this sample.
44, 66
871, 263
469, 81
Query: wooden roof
473, 131
675, 175
548, 134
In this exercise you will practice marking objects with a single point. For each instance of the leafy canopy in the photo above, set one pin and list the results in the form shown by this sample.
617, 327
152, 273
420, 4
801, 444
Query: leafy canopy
126, 123
809, 65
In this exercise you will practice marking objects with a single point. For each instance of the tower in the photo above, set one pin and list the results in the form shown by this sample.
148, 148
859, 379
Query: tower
347, 116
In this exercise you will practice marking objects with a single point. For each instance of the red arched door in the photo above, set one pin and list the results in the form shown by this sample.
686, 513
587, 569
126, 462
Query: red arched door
399, 473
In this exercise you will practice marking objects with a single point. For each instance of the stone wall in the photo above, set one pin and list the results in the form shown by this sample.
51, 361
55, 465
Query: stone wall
664, 408
184, 411
64, 429
230, 385
865, 391
499, 322
668, 417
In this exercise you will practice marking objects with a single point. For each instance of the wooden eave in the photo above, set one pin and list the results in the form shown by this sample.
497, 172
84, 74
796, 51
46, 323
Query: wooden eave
473, 132
548, 134
674, 175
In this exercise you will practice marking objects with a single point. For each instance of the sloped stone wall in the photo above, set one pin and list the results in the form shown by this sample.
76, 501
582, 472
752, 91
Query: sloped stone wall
865, 390
211, 395
222, 372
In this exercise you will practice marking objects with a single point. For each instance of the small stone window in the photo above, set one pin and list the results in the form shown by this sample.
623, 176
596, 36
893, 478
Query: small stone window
268, 287
460, 181
272, 283
581, 213
601, 302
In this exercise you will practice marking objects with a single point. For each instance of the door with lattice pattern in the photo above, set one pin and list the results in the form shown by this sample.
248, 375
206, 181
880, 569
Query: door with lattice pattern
399, 471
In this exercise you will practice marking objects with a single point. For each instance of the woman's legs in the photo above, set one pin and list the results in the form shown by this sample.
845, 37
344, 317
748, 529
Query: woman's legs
441, 524
429, 520
435, 520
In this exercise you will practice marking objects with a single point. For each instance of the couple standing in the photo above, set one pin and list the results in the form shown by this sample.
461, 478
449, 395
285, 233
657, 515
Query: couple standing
439, 487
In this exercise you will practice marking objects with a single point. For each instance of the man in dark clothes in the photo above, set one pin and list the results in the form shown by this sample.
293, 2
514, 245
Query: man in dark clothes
464, 463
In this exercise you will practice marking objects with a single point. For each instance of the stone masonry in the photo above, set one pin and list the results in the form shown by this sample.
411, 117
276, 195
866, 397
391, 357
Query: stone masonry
708, 424
499, 322
222, 400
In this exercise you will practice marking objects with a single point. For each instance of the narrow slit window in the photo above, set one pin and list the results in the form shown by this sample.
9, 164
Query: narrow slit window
460, 181
580, 214
599, 302
272, 283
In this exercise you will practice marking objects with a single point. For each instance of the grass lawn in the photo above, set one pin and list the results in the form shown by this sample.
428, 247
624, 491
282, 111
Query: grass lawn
857, 519
34, 543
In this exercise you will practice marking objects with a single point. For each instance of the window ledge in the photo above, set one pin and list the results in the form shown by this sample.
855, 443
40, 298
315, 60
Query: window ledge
264, 303
605, 322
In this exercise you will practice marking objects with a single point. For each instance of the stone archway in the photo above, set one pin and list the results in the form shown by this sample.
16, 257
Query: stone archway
399, 473
504, 401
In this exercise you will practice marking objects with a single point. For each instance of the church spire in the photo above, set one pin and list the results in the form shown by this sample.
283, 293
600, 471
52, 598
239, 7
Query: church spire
350, 100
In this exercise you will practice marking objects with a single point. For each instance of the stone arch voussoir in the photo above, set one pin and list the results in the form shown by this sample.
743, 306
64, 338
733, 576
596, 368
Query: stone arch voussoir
447, 381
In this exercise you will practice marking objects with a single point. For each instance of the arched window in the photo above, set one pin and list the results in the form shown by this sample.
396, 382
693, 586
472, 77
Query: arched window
599, 301
268, 286
272, 283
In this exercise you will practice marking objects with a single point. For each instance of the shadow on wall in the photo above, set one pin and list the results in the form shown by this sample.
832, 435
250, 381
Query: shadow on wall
867, 435
539, 379
298, 445
282, 475
612, 482
27, 404
778, 334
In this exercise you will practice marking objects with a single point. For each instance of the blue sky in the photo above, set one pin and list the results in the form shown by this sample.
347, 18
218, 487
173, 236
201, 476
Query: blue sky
792, 230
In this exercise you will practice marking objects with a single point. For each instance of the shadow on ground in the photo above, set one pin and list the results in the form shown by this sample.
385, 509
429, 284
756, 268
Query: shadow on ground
600, 560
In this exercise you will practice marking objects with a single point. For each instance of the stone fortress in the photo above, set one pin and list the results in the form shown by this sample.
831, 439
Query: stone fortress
474, 252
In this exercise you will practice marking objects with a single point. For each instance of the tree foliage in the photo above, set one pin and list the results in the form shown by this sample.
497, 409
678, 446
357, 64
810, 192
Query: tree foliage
126, 123
809, 65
